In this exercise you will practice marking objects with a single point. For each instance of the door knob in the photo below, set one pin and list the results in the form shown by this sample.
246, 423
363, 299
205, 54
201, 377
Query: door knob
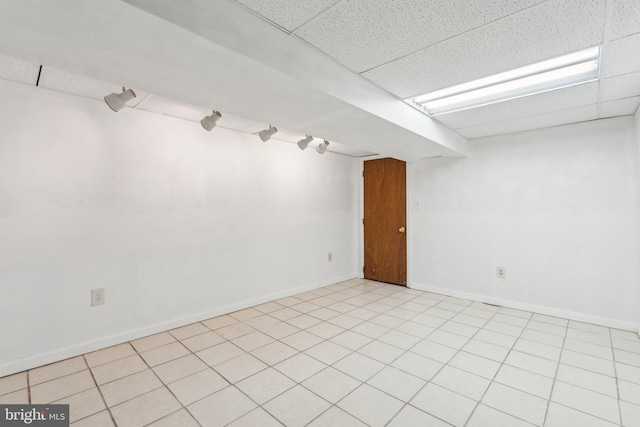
401, 229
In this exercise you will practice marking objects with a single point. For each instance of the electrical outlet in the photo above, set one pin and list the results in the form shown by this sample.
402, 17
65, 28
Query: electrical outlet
501, 272
97, 296
329, 257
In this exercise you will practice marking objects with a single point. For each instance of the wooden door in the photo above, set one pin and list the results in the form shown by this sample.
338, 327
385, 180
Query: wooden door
385, 213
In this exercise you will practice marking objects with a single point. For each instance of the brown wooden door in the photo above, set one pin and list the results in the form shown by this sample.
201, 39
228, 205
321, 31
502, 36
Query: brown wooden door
385, 213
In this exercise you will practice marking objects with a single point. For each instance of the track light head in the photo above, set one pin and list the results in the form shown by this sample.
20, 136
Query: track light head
322, 147
266, 134
209, 122
304, 142
117, 101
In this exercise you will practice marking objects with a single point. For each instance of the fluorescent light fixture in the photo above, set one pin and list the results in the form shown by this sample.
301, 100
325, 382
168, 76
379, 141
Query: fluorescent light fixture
209, 122
564, 71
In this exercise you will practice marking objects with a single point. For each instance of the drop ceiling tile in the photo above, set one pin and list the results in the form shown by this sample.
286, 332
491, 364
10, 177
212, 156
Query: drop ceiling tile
619, 107
545, 31
169, 107
18, 70
621, 56
626, 18
288, 14
555, 118
623, 86
556, 100
74, 84
379, 31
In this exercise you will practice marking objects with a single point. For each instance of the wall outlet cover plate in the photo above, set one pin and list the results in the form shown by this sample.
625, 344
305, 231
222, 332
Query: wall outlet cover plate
97, 296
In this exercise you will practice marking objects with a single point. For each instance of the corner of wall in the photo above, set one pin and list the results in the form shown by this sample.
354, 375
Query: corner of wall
533, 308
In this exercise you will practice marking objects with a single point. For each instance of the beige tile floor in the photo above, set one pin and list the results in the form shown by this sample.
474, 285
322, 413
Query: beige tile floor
352, 354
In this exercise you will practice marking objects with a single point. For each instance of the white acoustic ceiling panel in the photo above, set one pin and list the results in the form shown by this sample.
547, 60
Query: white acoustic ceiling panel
169, 107
622, 86
555, 118
74, 84
544, 31
288, 14
562, 99
18, 70
625, 19
363, 34
619, 107
622, 56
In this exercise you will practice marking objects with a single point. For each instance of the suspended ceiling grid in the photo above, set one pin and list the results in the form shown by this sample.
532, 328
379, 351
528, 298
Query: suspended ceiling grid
333, 68
410, 47
216, 54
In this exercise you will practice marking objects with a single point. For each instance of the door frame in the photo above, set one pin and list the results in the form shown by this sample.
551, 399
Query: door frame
409, 190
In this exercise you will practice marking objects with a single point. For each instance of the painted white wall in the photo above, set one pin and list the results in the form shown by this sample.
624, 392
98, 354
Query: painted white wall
556, 207
637, 136
176, 223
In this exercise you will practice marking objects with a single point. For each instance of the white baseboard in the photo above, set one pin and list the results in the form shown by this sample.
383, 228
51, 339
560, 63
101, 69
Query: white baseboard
56, 355
580, 317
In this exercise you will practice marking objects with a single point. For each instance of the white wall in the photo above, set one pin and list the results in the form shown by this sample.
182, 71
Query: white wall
177, 224
556, 207
637, 136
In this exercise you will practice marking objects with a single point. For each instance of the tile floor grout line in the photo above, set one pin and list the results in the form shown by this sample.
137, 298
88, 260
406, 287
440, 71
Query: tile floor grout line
256, 373
615, 373
388, 303
331, 405
390, 365
163, 385
599, 418
517, 338
555, 376
583, 388
107, 407
29, 387
405, 320
443, 365
498, 370
283, 392
372, 376
119, 378
61, 376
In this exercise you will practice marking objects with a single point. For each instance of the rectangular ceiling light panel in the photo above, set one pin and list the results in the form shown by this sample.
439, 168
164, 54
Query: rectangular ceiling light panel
564, 71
